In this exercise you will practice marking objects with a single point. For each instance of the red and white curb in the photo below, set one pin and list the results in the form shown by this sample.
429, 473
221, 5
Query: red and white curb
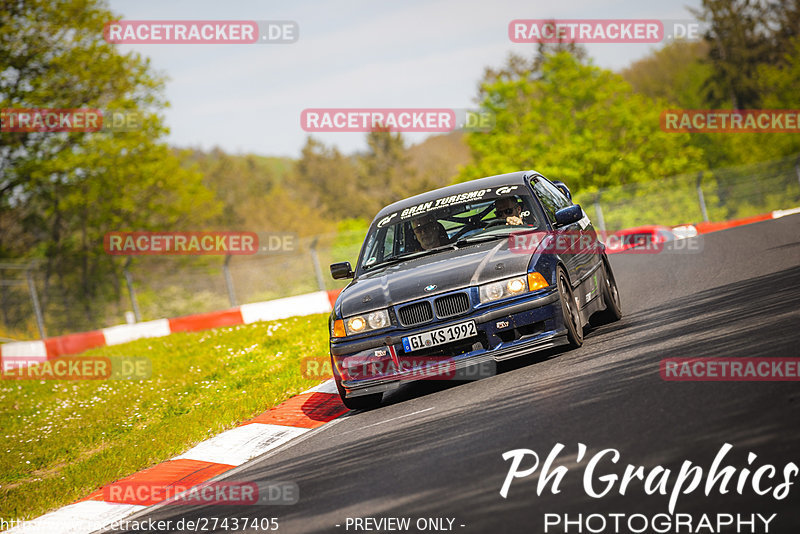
21, 353
206, 460
706, 227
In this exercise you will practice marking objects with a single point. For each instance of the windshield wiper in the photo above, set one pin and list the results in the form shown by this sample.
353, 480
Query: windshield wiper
480, 238
493, 234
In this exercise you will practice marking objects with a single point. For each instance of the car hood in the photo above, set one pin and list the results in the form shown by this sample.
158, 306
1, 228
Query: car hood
446, 270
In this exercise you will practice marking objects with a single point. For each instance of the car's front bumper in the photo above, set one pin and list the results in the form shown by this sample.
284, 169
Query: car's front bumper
504, 332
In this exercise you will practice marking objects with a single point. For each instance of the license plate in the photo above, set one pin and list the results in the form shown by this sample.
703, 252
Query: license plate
440, 336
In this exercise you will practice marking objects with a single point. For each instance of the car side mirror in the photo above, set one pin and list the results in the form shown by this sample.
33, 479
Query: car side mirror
563, 188
342, 270
569, 215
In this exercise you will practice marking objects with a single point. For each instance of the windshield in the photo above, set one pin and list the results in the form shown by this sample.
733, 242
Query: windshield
448, 222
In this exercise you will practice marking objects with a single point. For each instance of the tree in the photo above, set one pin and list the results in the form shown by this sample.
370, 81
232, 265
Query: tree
743, 36
67, 189
676, 73
738, 42
437, 159
236, 180
753, 62
385, 170
326, 180
573, 121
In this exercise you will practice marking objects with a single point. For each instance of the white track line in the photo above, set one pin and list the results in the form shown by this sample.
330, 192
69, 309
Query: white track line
388, 420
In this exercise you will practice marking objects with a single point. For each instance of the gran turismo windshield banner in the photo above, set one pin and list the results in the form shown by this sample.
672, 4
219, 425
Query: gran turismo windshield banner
451, 200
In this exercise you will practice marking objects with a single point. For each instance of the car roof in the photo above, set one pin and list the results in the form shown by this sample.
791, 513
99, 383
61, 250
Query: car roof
464, 187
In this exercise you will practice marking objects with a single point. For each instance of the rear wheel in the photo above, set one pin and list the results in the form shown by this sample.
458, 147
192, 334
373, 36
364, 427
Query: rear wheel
571, 314
363, 402
613, 311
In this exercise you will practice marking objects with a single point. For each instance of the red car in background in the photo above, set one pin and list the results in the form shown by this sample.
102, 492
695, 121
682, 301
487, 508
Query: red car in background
643, 239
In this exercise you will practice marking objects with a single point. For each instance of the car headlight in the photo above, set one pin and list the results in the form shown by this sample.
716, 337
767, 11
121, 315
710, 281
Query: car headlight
511, 286
364, 323
503, 288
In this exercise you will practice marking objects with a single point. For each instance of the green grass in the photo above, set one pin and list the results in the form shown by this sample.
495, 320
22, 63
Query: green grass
61, 440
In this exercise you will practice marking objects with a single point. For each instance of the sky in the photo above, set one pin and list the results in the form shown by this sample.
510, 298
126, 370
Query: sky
247, 98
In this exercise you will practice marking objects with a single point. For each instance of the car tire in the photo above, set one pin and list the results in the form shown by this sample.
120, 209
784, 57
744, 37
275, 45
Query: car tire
569, 310
364, 402
613, 311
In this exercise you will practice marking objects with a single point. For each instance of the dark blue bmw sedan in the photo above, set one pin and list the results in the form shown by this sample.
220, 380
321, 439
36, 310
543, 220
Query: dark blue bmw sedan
472, 273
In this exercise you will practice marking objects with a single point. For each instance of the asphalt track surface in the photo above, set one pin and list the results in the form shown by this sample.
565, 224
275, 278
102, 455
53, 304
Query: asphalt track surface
434, 449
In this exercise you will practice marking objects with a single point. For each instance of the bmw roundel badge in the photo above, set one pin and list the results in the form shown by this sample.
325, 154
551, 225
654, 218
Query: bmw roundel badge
430, 287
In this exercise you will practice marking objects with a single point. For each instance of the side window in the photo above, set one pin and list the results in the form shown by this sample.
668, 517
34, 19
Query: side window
379, 246
388, 242
551, 198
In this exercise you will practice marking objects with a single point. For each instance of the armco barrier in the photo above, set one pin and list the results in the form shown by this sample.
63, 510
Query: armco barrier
205, 321
37, 351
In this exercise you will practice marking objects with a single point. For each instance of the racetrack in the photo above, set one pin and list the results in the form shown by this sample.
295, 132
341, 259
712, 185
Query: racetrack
435, 449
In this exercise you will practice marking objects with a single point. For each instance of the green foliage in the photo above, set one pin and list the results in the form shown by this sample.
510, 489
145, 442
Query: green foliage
675, 73
341, 187
66, 190
328, 181
752, 63
349, 237
575, 122
667, 201
385, 170
237, 179
738, 42
744, 36
729, 193
63, 439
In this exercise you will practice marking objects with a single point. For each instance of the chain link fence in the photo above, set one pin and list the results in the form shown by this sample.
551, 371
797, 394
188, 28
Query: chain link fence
714, 195
155, 287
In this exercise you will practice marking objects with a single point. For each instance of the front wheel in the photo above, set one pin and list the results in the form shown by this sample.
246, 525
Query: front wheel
613, 311
570, 312
364, 402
